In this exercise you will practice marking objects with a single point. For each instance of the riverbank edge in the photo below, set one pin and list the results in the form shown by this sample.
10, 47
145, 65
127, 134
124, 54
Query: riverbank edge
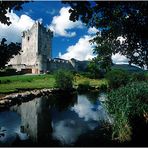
19, 97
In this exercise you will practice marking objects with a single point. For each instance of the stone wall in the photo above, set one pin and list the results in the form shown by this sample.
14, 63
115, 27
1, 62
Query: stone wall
36, 49
30, 46
56, 64
44, 47
72, 65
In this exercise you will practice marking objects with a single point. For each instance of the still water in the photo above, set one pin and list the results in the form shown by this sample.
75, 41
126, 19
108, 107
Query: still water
56, 120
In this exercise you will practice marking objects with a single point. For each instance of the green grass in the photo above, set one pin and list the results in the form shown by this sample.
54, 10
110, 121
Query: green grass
13, 83
126, 103
10, 84
79, 79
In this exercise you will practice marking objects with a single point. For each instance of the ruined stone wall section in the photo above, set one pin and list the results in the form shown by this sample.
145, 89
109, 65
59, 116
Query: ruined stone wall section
56, 64
36, 53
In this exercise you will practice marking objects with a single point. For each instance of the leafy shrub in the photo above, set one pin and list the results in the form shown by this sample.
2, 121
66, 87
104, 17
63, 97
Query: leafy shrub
94, 71
138, 77
146, 75
117, 78
83, 86
126, 103
11, 71
103, 87
64, 79
85, 74
8, 72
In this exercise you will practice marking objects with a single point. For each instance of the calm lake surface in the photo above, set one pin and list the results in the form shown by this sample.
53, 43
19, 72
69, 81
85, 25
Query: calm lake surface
56, 120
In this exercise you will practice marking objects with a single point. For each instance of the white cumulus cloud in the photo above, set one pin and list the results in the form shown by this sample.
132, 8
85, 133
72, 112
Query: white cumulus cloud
13, 32
61, 24
119, 59
82, 50
92, 30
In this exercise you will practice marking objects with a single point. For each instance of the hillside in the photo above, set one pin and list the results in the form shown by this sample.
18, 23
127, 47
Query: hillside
127, 67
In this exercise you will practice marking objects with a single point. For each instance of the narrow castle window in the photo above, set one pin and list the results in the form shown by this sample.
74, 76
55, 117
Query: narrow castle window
28, 38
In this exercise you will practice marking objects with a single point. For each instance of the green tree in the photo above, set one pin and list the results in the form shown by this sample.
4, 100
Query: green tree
128, 19
117, 78
95, 69
8, 51
64, 79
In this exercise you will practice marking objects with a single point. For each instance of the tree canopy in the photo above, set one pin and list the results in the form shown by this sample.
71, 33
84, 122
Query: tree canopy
7, 52
127, 19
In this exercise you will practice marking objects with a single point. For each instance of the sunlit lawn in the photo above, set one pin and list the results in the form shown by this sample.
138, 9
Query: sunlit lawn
13, 83
10, 84
93, 82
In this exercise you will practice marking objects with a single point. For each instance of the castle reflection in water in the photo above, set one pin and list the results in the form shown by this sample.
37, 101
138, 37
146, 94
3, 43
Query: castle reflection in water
61, 118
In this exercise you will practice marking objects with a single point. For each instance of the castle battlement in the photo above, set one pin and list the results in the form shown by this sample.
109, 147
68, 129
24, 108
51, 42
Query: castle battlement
36, 48
36, 52
58, 60
37, 24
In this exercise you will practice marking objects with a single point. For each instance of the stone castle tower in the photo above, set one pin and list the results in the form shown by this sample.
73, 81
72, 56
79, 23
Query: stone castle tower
35, 56
36, 50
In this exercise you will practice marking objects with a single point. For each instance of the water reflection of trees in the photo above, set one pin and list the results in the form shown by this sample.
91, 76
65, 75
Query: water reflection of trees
92, 96
63, 101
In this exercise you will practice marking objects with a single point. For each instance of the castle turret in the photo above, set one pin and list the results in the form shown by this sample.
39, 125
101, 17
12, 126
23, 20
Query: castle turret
36, 49
44, 47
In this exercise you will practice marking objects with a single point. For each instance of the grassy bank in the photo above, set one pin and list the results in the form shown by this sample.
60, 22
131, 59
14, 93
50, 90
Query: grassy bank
14, 83
97, 83
126, 104
9, 84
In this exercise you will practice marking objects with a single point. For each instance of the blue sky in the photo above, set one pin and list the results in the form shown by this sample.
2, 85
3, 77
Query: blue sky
71, 39
46, 11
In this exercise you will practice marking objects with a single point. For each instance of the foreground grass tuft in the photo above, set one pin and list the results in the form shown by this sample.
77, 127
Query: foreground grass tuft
126, 103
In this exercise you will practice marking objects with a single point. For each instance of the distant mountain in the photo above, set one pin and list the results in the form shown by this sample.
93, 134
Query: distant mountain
127, 67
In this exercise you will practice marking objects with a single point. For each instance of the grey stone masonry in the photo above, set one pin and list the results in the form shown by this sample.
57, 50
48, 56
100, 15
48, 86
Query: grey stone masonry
36, 55
36, 49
